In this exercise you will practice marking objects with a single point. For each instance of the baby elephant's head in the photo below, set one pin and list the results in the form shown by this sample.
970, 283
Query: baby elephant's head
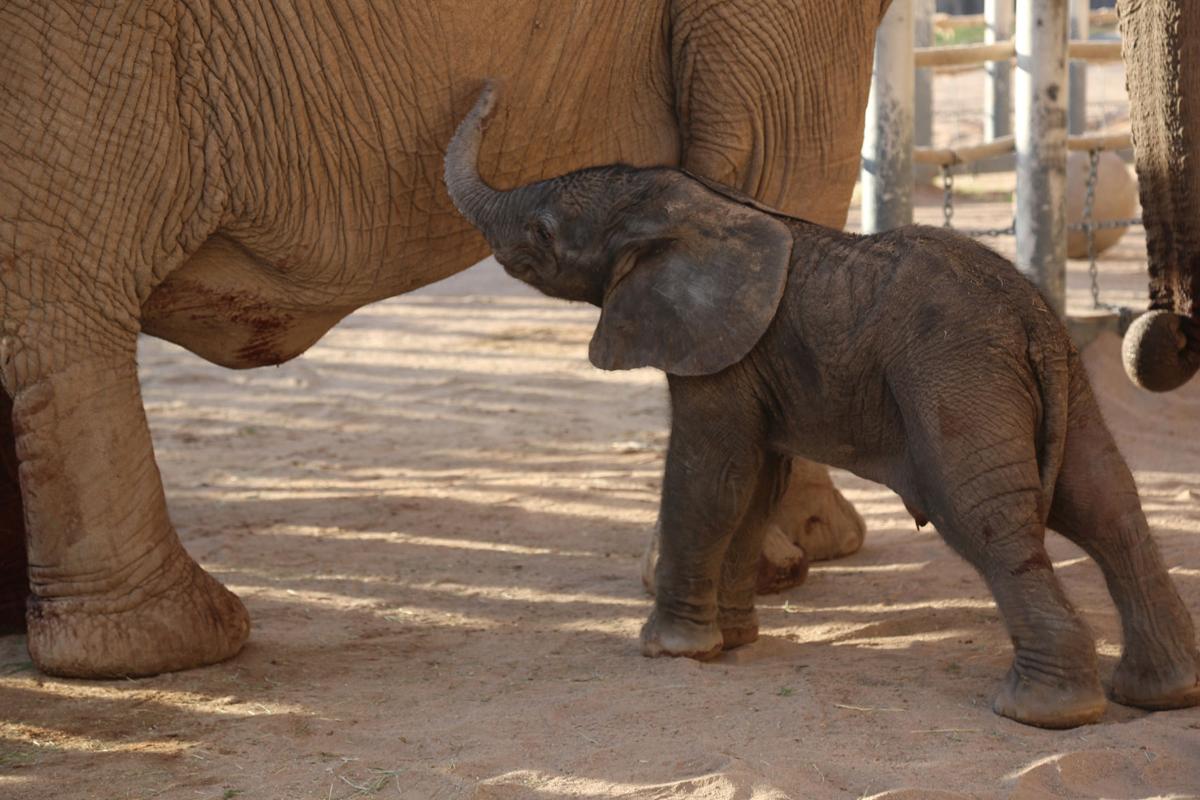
688, 273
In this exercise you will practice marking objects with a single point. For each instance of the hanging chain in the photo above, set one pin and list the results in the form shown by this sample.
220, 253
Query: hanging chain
1088, 225
1089, 200
948, 210
947, 196
1009, 231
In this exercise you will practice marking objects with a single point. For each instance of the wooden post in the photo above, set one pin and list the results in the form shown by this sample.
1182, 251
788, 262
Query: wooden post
887, 177
998, 16
1077, 106
923, 11
1041, 143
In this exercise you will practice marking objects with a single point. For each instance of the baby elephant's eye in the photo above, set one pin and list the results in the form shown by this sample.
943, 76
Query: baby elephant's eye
541, 232
655, 247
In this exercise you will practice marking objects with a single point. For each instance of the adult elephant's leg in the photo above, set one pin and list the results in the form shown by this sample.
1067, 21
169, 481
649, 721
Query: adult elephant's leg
800, 525
113, 591
1096, 506
786, 128
711, 479
814, 515
14, 576
106, 186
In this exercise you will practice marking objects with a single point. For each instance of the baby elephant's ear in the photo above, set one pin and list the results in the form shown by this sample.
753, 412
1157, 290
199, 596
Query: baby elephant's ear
701, 298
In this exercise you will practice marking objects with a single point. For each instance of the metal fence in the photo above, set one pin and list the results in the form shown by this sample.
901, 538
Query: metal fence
1035, 53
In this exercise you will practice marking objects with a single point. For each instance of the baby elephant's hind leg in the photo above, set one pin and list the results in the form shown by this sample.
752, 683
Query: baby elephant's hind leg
1096, 506
1053, 681
985, 497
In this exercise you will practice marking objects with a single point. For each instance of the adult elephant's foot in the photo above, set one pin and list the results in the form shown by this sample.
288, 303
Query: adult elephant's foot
738, 626
782, 565
812, 522
667, 635
1059, 704
812, 517
183, 618
1157, 687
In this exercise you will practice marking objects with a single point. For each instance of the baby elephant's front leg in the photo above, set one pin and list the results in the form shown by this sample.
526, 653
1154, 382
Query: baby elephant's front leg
715, 467
741, 571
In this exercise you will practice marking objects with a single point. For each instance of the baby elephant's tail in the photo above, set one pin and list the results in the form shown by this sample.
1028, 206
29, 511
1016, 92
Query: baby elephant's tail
1051, 362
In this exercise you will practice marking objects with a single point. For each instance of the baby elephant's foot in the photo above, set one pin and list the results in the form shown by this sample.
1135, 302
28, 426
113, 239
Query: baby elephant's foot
1157, 687
1062, 704
667, 635
738, 626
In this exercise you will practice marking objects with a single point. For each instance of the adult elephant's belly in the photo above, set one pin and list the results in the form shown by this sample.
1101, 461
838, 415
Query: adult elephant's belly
229, 307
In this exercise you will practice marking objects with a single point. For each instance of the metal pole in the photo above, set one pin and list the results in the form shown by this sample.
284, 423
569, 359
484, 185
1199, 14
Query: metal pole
1077, 120
998, 16
1041, 143
923, 11
887, 141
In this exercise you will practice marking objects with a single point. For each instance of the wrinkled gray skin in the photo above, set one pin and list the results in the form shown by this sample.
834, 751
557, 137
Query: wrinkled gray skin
915, 358
1161, 48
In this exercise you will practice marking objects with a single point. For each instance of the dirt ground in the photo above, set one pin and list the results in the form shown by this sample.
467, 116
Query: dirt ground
435, 519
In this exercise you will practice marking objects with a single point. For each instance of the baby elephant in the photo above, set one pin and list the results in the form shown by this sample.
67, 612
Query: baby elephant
916, 358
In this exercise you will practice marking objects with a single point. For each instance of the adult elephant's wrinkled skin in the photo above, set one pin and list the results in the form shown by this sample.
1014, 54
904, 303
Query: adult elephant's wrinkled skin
238, 176
1161, 49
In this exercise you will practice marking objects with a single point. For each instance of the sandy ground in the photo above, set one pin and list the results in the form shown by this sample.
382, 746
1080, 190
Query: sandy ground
435, 519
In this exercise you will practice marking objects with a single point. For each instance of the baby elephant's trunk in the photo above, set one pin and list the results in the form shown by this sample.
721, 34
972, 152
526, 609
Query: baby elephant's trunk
483, 206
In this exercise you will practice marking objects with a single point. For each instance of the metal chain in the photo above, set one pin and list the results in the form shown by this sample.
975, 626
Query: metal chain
948, 210
947, 196
1088, 225
1009, 231
1105, 224
1089, 200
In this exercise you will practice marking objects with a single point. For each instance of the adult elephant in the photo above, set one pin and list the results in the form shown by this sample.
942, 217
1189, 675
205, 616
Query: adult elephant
1162, 61
236, 177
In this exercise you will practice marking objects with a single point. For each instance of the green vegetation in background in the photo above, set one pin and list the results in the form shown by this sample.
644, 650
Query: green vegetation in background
972, 34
